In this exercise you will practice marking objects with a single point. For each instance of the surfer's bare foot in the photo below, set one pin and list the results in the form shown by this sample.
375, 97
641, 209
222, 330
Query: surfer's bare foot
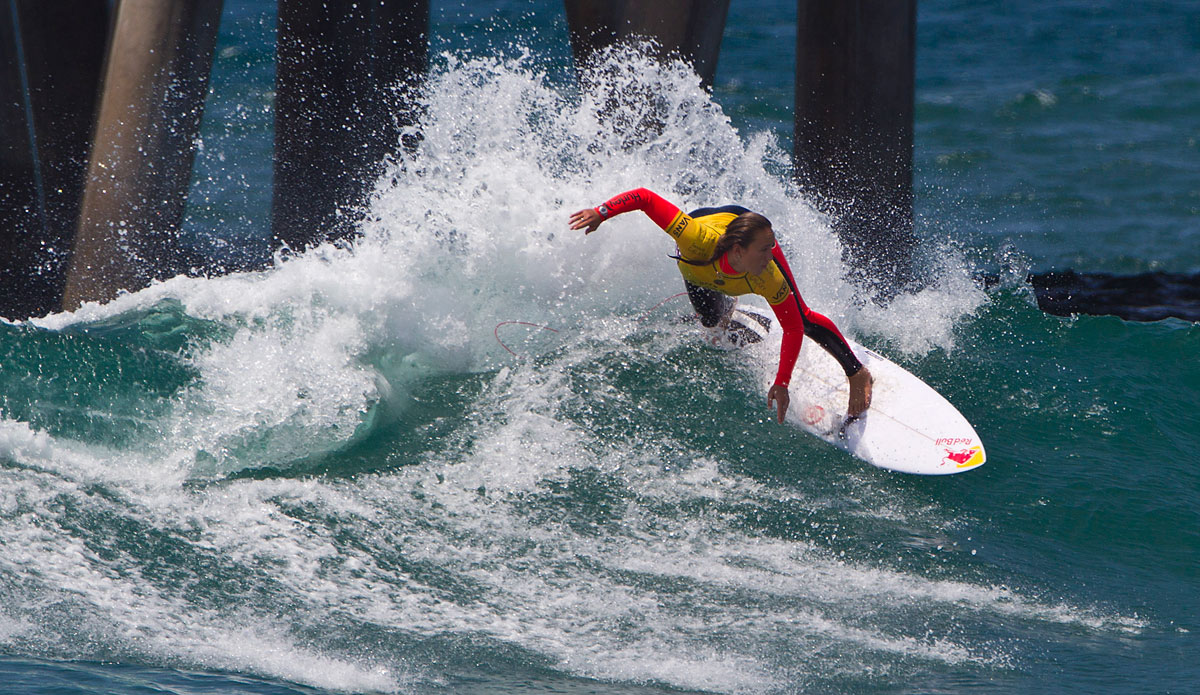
860, 392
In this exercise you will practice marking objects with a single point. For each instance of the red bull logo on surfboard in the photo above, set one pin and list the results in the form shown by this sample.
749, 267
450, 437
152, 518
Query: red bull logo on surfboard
964, 458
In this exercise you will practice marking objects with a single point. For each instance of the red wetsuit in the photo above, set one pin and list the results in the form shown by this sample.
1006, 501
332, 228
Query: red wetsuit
696, 236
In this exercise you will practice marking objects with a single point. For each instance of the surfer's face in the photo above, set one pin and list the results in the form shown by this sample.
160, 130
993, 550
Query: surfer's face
757, 255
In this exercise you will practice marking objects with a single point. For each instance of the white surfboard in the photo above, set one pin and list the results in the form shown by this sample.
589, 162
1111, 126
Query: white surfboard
909, 427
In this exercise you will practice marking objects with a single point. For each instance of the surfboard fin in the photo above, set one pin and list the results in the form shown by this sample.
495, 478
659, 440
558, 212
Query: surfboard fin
740, 334
850, 420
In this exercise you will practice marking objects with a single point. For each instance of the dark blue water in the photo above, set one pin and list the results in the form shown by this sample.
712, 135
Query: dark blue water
331, 477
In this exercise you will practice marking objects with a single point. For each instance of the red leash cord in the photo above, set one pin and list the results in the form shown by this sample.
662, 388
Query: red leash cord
496, 332
647, 312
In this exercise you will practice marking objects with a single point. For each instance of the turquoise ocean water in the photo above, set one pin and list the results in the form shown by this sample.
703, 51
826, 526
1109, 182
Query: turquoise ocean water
331, 477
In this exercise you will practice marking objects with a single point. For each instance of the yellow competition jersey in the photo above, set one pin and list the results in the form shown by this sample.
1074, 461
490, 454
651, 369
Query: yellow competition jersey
697, 237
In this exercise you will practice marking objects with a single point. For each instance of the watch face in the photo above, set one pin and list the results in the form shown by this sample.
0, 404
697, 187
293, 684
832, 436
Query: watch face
603, 210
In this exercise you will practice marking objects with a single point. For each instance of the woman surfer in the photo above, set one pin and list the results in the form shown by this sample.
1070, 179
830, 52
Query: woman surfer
729, 251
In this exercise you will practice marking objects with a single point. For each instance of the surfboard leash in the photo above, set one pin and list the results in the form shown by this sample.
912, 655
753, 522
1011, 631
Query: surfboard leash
651, 309
496, 332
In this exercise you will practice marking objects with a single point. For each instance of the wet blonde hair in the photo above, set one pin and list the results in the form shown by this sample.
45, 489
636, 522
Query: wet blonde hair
740, 232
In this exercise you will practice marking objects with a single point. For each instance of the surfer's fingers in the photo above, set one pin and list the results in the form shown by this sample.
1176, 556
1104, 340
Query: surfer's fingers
588, 220
778, 396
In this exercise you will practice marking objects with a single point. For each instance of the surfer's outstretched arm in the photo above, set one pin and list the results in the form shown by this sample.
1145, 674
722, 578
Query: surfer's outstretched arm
660, 210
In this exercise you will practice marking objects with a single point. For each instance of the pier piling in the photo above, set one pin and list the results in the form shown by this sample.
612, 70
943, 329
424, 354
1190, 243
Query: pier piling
51, 55
690, 29
346, 78
151, 102
855, 65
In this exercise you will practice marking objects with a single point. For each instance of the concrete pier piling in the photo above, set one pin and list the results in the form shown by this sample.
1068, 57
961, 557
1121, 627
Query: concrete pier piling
690, 29
51, 55
22, 202
151, 102
855, 67
346, 77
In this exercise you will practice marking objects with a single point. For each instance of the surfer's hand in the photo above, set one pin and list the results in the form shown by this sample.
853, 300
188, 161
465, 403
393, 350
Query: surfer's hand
779, 396
860, 392
587, 220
